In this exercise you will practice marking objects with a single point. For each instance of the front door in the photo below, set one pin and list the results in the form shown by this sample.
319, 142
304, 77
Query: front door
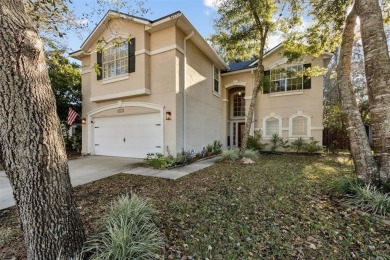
241, 130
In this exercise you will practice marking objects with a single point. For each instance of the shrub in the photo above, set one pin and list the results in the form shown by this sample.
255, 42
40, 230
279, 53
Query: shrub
251, 154
298, 144
277, 141
129, 232
345, 185
159, 161
254, 142
209, 148
183, 158
312, 147
230, 155
370, 199
217, 147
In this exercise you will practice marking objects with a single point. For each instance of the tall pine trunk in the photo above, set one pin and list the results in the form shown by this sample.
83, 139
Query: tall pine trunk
365, 165
377, 68
32, 148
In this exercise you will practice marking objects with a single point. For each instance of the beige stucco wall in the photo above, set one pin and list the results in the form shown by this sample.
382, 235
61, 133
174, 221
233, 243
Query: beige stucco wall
156, 72
204, 109
309, 101
135, 81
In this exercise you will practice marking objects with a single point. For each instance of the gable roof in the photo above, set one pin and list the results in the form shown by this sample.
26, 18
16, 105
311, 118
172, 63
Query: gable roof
251, 63
242, 65
174, 19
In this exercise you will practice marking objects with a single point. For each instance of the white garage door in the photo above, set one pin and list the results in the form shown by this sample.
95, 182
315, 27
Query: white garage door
128, 136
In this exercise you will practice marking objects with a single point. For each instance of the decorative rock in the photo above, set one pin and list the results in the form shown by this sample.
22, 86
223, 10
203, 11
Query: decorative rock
245, 160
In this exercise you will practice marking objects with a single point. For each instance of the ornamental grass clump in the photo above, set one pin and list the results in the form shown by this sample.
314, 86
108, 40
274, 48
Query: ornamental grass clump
371, 200
230, 155
251, 154
129, 232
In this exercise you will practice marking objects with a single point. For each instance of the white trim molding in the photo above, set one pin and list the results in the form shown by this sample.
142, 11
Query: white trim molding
120, 104
165, 49
115, 79
235, 83
308, 125
85, 70
280, 120
286, 93
130, 93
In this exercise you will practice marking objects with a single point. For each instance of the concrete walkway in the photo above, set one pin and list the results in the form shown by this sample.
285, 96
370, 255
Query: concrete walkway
175, 173
91, 168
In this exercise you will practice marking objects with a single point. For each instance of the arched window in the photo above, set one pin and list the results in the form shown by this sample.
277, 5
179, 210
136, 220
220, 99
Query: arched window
238, 104
272, 124
300, 125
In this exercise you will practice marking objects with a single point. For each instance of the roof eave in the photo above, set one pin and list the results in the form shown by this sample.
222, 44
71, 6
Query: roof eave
90, 39
202, 44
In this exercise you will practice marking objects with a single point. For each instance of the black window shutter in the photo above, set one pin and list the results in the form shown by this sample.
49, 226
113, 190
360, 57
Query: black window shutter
306, 79
99, 74
266, 82
131, 60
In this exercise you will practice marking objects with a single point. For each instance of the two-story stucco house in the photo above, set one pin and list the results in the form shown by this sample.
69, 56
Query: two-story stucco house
157, 86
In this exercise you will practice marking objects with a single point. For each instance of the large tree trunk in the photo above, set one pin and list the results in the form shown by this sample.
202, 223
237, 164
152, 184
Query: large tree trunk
365, 165
263, 30
252, 105
32, 148
377, 67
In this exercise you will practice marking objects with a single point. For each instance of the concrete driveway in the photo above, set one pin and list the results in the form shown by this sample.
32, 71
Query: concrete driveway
83, 170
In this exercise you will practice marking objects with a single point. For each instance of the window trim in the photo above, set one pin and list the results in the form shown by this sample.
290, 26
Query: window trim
115, 60
285, 79
272, 115
216, 93
290, 127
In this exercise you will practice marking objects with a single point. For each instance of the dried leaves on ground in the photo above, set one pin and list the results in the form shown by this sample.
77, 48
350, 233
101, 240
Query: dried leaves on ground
279, 207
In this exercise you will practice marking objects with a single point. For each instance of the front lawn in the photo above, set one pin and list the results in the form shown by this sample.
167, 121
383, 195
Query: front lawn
278, 208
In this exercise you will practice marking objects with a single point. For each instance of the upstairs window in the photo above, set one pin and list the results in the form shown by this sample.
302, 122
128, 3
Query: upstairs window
216, 80
115, 61
286, 79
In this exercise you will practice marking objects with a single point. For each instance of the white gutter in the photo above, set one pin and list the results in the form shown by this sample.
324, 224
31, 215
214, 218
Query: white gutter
184, 92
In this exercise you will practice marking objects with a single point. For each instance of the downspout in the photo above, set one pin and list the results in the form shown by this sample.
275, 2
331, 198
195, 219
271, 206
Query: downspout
184, 92
252, 131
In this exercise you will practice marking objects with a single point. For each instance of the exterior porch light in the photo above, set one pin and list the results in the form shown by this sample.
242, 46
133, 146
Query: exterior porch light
239, 93
83, 121
168, 115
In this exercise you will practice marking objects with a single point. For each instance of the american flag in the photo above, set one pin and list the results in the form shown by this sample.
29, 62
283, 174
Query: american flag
71, 116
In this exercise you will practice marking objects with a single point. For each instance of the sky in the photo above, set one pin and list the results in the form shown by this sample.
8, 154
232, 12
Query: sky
199, 12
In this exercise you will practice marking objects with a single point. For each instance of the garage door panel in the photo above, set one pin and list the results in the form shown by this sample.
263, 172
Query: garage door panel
128, 136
